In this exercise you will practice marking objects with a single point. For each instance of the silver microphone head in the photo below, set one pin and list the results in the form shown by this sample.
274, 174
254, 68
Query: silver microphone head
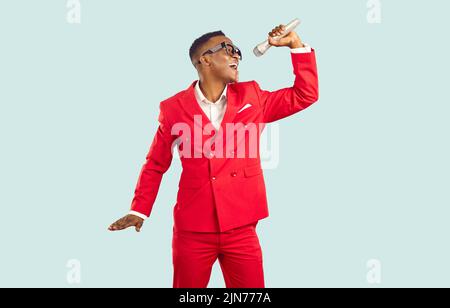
261, 48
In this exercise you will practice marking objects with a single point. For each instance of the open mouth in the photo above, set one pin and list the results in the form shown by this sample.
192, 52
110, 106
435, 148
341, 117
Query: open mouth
234, 66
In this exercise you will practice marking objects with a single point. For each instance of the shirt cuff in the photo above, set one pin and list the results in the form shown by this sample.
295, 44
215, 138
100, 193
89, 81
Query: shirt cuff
138, 214
305, 49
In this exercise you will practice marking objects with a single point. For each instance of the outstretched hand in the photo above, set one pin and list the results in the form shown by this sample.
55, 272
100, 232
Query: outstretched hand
126, 222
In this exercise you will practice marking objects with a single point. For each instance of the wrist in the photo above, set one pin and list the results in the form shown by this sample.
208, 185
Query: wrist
296, 44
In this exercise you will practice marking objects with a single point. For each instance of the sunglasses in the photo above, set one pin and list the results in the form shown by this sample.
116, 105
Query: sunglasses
230, 49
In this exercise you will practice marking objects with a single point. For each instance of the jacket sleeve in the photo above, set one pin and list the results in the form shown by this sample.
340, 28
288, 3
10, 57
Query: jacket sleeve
305, 91
157, 162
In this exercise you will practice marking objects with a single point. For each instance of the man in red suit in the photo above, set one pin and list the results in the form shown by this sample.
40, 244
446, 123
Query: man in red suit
215, 124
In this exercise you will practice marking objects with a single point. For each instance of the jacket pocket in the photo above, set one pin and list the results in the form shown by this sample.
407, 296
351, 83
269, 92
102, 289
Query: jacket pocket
252, 171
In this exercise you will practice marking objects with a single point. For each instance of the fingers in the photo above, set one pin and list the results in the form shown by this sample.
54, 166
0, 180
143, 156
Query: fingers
118, 225
126, 222
277, 31
274, 39
139, 226
121, 224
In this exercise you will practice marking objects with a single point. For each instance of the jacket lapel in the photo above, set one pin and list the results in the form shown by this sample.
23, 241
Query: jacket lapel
232, 105
191, 106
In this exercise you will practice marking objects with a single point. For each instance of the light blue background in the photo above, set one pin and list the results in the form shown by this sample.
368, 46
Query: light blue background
363, 174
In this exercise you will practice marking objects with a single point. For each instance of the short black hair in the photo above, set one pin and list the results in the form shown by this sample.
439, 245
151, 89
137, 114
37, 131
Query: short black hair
199, 42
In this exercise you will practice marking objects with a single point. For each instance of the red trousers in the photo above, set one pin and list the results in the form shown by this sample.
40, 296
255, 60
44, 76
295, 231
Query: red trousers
238, 251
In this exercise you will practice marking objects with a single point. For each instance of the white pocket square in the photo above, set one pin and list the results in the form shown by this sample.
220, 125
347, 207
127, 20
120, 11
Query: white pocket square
245, 107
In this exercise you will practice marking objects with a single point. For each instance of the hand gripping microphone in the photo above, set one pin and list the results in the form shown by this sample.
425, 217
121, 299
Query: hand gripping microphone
261, 49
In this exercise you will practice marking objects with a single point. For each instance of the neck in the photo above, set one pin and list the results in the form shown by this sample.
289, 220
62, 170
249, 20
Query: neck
212, 89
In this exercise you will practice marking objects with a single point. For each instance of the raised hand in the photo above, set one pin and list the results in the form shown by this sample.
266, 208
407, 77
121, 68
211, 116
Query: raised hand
292, 40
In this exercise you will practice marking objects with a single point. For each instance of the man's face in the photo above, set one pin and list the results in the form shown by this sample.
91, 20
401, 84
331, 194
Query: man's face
221, 67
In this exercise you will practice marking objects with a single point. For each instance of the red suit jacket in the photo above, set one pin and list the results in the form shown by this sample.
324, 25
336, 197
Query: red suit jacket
219, 192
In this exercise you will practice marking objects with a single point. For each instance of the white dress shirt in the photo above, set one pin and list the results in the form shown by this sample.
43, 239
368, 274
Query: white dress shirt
216, 110
213, 110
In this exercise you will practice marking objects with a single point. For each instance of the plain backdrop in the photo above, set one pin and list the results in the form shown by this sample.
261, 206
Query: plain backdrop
363, 174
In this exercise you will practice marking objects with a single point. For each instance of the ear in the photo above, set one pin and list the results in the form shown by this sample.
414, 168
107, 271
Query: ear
205, 61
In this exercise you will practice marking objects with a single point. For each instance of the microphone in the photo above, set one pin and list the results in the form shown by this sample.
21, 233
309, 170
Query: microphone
261, 49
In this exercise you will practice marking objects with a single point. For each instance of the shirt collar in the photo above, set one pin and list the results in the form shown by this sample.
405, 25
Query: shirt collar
202, 98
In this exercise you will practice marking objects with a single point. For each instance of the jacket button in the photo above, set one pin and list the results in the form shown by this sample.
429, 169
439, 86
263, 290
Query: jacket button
213, 178
233, 174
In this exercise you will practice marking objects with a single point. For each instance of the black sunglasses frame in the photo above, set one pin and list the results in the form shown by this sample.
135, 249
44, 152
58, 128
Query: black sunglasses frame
221, 46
